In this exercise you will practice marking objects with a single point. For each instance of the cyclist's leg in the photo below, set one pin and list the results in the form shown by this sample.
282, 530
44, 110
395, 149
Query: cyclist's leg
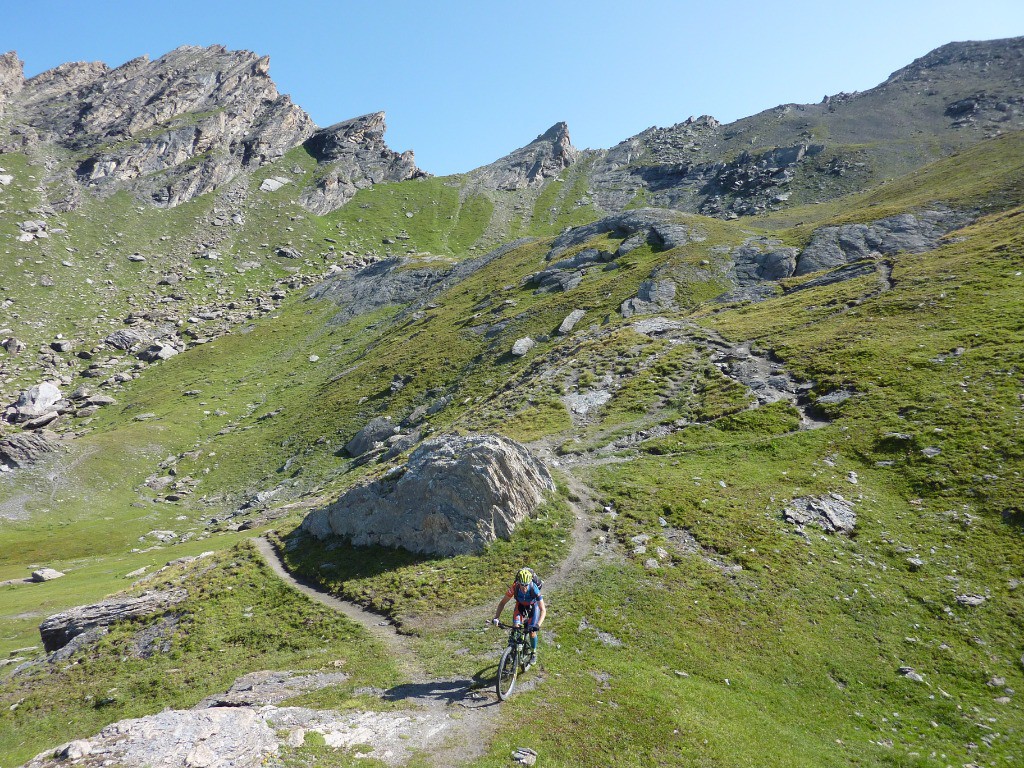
534, 627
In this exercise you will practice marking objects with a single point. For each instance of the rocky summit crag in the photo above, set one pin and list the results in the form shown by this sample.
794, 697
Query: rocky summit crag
281, 415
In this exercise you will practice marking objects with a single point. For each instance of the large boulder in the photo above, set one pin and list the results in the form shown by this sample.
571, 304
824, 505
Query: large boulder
36, 401
454, 496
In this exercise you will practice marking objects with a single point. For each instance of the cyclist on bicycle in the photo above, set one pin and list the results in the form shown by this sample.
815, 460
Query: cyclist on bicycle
529, 609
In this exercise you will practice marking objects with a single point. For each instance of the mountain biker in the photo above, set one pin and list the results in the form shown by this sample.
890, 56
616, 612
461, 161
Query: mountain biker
529, 607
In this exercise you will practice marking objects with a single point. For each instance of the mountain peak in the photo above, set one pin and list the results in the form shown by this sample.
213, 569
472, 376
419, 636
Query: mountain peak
530, 166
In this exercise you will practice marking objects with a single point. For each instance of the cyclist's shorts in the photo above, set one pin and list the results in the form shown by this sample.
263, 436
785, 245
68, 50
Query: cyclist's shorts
530, 614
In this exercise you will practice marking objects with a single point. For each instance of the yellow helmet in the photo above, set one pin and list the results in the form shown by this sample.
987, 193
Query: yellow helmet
524, 577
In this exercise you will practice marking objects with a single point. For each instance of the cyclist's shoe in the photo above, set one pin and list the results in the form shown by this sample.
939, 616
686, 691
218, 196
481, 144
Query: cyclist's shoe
531, 659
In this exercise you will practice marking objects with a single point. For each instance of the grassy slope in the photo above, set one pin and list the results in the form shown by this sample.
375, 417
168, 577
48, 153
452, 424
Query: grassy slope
810, 633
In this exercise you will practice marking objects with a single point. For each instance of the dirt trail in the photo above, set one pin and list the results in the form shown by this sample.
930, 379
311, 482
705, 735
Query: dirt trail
468, 717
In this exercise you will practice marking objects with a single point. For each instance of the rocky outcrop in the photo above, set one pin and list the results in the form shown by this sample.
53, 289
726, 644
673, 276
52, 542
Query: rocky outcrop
454, 496
170, 129
530, 166
762, 259
387, 282
652, 296
353, 155
250, 737
659, 228
58, 630
23, 449
12, 77
908, 233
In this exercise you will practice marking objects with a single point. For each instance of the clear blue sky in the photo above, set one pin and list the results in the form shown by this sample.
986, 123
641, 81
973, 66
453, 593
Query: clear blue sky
466, 82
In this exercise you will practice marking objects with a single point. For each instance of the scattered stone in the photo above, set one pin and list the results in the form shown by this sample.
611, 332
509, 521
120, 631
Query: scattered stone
524, 756
126, 338
287, 252
273, 183
931, 452
522, 346
45, 574
833, 513
136, 257
158, 351
375, 432
915, 563
910, 674
971, 601
453, 496
570, 322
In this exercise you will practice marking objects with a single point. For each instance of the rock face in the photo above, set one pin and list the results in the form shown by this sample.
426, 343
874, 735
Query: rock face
25, 448
12, 77
170, 129
58, 630
659, 228
455, 496
379, 285
354, 156
911, 233
954, 96
530, 166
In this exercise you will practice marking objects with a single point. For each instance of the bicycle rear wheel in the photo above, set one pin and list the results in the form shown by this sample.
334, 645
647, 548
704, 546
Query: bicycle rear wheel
508, 668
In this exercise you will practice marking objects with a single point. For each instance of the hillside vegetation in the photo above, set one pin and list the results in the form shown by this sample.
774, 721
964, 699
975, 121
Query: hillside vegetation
693, 619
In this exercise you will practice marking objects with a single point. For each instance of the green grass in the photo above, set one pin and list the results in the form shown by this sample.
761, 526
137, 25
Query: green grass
809, 630
407, 586
238, 617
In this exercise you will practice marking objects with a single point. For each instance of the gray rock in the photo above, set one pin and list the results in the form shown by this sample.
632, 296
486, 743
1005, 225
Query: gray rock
353, 155
761, 259
46, 574
570, 321
652, 297
57, 630
530, 166
126, 338
287, 252
184, 124
265, 687
158, 351
832, 513
659, 228
909, 233
376, 431
273, 183
910, 674
25, 448
971, 601
42, 399
454, 496
387, 282
522, 346
524, 756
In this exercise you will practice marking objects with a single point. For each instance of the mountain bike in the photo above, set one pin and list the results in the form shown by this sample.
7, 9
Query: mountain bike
513, 660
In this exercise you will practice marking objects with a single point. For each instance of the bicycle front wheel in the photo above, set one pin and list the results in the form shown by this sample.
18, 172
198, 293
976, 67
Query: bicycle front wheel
508, 668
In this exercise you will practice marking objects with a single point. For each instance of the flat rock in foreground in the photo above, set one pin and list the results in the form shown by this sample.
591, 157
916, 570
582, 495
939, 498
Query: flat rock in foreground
455, 496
